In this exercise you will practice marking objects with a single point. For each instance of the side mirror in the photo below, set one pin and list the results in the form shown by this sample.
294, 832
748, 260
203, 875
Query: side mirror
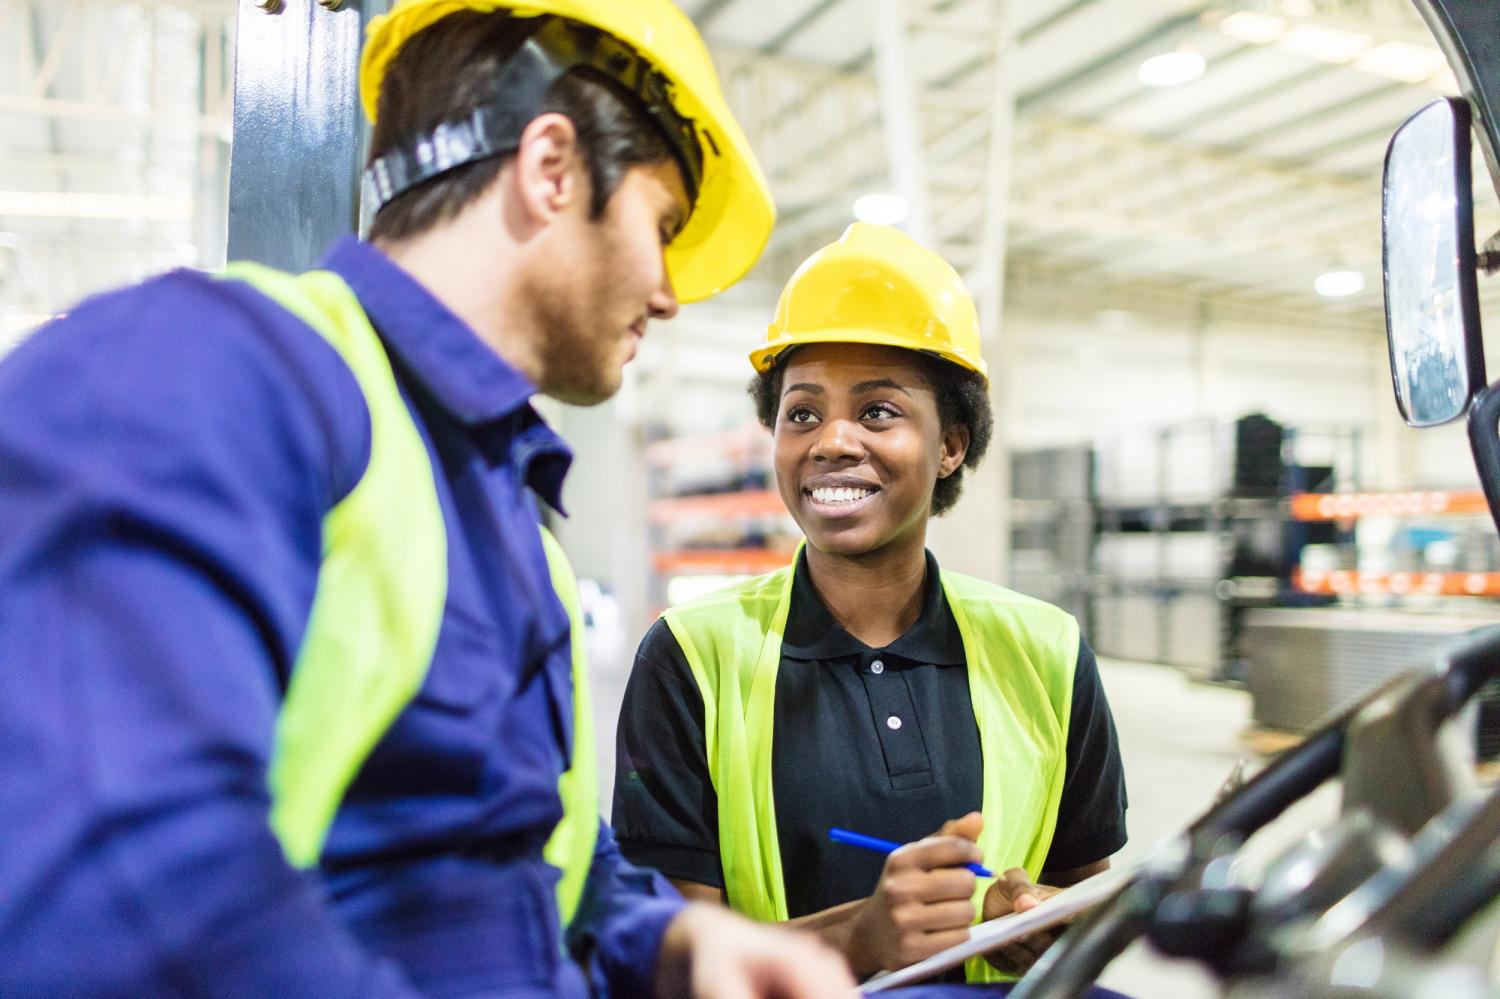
1431, 289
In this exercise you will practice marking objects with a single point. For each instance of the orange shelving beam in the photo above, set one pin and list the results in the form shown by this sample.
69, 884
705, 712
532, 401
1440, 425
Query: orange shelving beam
727, 506
1347, 582
738, 444
730, 561
1349, 506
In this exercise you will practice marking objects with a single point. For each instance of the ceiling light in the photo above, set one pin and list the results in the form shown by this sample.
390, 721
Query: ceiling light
1331, 45
883, 209
1298, 8
1257, 29
1171, 69
1402, 61
1339, 284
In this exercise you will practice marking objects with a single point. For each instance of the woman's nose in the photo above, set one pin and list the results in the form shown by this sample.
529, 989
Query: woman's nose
839, 439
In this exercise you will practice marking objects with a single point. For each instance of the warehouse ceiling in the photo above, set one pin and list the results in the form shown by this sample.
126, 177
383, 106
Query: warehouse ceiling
1250, 180
1026, 118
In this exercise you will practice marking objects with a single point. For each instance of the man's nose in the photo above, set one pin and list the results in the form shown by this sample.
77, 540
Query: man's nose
663, 302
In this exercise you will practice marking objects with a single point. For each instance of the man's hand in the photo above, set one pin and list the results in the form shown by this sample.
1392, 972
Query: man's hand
1013, 891
923, 903
711, 953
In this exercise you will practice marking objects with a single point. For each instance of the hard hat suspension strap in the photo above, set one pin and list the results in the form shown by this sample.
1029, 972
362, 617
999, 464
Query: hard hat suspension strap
554, 49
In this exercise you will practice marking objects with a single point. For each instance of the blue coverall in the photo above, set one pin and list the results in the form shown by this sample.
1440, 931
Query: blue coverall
167, 455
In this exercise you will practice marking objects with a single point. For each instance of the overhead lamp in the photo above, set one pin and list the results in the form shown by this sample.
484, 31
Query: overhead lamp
881, 208
1402, 61
1172, 69
1330, 45
1339, 284
1252, 27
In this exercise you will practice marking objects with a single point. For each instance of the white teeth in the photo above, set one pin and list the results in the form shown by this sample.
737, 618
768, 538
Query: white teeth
842, 494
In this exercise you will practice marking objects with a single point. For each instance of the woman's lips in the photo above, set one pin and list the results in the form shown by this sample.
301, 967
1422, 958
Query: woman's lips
839, 501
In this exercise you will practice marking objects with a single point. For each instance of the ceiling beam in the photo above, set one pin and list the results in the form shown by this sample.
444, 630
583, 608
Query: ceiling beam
1257, 96
704, 16
1071, 81
798, 25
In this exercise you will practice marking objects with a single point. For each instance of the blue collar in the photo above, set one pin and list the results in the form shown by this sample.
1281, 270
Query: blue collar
453, 366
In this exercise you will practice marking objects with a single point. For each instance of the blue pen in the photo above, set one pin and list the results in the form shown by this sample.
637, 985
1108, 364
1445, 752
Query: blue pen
886, 846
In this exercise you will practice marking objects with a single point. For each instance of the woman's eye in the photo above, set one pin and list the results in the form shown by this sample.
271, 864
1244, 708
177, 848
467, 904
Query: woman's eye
800, 414
880, 411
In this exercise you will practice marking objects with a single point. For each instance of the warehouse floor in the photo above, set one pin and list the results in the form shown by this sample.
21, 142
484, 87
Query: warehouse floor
1179, 740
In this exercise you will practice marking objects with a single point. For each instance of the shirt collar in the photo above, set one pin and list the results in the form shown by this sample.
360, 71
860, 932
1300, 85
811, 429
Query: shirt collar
437, 348
813, 634
452, 365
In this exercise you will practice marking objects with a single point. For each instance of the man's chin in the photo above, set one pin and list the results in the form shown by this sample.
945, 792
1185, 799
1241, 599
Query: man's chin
576, 393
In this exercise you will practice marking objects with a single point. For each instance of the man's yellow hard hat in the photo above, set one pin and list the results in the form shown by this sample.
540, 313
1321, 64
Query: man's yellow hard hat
876, 285
733, 212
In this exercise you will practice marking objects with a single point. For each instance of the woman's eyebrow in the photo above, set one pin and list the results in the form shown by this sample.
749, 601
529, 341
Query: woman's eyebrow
803, 387
879, 383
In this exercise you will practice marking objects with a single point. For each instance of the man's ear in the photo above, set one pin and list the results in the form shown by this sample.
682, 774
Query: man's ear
548, 178
955, 445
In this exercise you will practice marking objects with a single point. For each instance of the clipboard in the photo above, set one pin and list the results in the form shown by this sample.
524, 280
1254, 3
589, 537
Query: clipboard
986, 937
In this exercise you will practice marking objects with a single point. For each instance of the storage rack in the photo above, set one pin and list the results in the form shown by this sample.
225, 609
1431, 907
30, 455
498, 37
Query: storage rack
1160, 543
1053, 526
712, 512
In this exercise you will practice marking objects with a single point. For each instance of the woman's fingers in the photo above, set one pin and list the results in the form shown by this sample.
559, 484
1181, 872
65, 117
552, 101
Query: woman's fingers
939, 917
926, 887
934, 852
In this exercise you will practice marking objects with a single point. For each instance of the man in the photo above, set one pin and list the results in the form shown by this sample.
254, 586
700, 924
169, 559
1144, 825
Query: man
288, 690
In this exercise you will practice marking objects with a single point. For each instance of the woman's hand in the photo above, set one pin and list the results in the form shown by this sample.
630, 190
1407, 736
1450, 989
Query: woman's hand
923, 903
1012, 892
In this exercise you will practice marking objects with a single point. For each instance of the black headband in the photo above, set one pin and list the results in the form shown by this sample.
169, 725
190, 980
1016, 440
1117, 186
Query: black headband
553, 50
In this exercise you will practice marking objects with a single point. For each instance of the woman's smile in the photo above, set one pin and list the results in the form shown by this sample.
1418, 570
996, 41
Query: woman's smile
838, 495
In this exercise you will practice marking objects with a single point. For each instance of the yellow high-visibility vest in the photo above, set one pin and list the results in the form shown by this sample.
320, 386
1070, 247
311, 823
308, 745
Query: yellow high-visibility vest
378, 607
1021, 655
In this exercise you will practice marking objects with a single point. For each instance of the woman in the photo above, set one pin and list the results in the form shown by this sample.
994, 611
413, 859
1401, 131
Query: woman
862, 687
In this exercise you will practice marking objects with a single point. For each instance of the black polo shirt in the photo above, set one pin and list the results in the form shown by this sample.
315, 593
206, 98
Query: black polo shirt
880, 741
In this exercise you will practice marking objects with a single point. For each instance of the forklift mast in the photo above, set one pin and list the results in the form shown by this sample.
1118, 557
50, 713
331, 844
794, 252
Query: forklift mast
1468, 32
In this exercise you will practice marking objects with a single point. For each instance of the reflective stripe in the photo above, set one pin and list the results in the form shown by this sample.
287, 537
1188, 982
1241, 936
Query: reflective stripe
378, 608
1021, 655
571, 847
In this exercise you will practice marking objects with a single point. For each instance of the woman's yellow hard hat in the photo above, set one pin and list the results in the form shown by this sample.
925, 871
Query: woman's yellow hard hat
733, 212
876, 285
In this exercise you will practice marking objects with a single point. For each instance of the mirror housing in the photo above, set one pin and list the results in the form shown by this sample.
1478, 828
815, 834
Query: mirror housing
1429, 265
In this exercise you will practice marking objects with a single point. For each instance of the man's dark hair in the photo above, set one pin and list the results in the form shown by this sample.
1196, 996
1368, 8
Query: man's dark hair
448, 70
962, 398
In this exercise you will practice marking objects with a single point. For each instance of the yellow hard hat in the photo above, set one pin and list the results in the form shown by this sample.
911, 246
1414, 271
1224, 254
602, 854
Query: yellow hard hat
876, 285
732, 213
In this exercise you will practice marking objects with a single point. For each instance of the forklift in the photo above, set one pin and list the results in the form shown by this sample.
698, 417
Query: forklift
1371, 905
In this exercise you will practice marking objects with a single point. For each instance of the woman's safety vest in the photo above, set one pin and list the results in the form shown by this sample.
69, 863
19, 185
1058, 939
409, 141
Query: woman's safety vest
1021, 655
378, 607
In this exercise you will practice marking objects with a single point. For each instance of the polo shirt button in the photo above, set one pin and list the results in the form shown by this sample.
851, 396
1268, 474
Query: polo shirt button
893, 722
877, 667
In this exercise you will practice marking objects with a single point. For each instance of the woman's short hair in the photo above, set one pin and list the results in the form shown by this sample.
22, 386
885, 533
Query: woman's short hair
962, 398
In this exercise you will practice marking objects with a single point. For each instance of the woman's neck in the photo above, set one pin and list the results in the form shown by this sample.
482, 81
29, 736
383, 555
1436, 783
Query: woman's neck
874, 597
